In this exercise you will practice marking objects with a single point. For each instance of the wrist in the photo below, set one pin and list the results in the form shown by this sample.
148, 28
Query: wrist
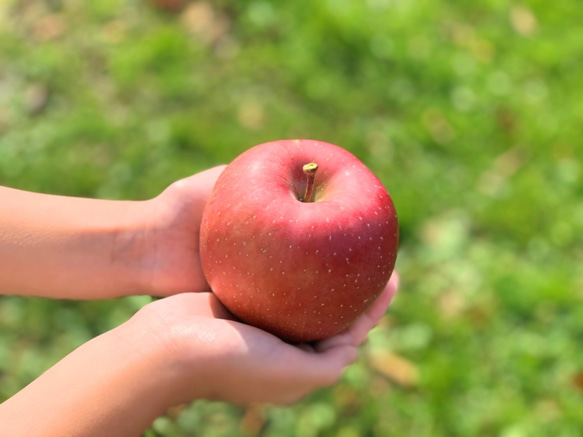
116, 385
67, 247
133, 249
168, 346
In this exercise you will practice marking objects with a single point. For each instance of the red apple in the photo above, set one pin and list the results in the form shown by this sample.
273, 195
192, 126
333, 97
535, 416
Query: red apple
298, 254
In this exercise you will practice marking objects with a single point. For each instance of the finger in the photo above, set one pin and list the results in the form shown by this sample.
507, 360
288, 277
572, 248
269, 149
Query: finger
313, 370
209, 177
363, 325
197, 186
380, 306
205, 180
329, 365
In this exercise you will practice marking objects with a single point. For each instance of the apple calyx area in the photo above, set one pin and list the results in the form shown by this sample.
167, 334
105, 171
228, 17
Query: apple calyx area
310, 172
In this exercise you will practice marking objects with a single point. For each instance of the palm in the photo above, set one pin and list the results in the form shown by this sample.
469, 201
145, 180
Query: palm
247, 364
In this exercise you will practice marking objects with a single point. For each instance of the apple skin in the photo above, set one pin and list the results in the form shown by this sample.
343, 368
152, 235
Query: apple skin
303, 271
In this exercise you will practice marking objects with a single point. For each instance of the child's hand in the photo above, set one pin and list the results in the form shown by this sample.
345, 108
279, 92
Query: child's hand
217, 357
176, 350
79, 248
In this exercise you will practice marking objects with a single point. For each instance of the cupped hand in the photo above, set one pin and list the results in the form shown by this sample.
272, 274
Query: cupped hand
172, 259
217, 357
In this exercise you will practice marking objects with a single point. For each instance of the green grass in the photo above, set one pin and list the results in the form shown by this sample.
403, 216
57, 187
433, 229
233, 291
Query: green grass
469, 112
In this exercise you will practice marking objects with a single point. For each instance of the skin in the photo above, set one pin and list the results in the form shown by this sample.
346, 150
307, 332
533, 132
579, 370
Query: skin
92, 249
184, 347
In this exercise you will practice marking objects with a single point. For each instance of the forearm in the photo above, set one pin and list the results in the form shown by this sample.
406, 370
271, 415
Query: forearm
66, 247
107, 387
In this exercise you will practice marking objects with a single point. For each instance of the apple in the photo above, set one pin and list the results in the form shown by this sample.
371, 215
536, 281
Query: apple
298, 238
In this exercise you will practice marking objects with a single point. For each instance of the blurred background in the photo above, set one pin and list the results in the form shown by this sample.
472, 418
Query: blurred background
469, 112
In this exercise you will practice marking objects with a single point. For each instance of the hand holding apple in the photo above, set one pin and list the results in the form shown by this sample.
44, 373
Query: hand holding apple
298, 238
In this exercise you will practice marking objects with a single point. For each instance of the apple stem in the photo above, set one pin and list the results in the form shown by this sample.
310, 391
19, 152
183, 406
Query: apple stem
310, 172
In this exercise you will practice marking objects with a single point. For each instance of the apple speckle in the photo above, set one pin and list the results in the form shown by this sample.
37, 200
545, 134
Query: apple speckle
342, 237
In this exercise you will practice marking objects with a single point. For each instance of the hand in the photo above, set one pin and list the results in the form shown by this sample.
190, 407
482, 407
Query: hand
220, 358
176, 350
172, 262
67, 247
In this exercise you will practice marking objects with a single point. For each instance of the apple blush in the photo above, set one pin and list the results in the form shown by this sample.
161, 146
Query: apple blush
298, 238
